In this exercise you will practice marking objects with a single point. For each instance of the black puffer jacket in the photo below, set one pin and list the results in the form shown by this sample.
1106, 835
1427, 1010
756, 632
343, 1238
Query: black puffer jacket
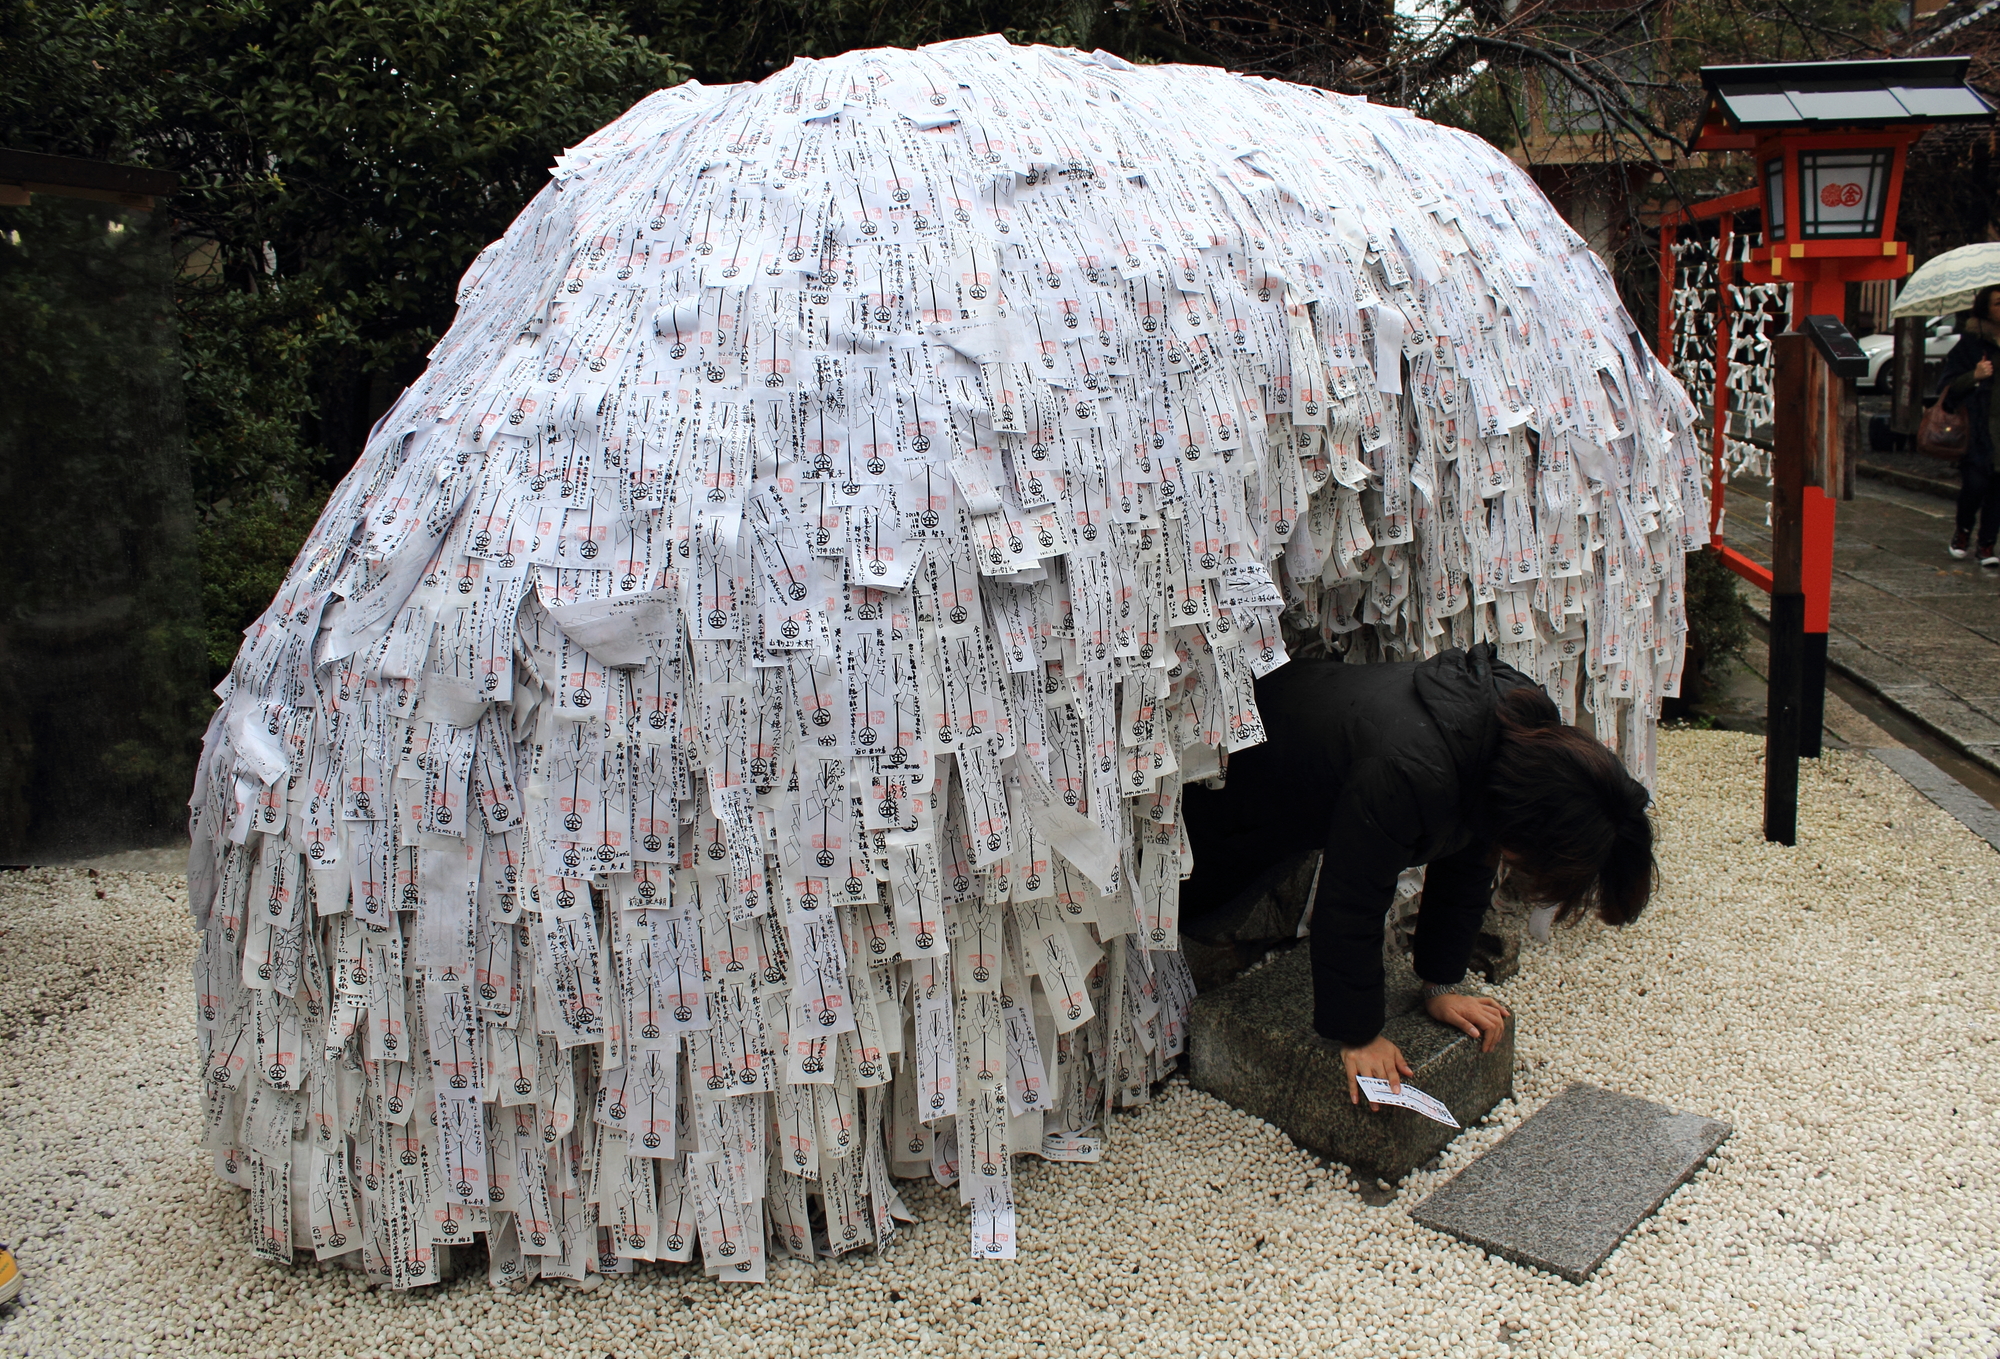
1384, 766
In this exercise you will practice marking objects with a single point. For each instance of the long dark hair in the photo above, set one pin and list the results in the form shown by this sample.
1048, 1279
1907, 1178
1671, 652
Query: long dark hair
1978, 309
1571, 821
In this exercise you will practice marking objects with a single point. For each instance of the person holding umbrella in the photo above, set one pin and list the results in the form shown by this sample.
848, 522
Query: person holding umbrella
1966, 385
1967, 281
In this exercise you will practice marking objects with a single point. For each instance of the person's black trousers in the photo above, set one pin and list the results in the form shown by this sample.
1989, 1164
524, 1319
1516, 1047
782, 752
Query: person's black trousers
1979, 495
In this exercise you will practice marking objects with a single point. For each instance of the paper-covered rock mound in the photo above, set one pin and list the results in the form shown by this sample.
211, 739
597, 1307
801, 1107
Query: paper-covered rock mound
720, 749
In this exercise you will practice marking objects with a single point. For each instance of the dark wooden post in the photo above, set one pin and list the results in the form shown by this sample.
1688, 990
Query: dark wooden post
1808, 456
1906, 375
1797, 415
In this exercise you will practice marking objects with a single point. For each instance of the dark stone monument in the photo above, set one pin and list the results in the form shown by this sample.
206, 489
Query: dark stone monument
1252, 1044
1263, 912
1496, 953
1563, 1189
1264, 915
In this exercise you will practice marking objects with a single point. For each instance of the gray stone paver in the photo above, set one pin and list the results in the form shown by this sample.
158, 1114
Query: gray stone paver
1251, 1044
1565, 1187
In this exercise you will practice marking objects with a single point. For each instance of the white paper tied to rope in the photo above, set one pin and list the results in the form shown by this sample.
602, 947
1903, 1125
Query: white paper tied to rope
721, 746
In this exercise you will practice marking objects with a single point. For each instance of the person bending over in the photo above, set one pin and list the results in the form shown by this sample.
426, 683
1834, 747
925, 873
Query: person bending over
1460, 763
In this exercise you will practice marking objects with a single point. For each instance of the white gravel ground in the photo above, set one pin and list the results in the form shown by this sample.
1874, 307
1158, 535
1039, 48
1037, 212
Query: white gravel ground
1838, 1003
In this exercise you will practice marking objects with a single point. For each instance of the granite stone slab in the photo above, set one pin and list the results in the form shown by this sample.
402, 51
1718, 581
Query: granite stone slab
1912, 580
1251, 1043
1981, 615
1968, 678
1871, 668
1563, 1189
1954, 720
1268, 906
1220, 944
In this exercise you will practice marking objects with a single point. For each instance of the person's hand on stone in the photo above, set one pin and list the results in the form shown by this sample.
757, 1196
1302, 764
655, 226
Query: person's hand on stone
1481, 1016
1381, 1059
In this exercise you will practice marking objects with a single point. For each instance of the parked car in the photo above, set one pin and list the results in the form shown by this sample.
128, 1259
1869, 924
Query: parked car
1938, 340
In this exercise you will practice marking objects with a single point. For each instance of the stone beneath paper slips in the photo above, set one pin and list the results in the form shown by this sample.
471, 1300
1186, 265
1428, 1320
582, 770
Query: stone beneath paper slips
1268, 907
1563, 1189
1253, 1045
1221, 943
1496, 953
1496, 949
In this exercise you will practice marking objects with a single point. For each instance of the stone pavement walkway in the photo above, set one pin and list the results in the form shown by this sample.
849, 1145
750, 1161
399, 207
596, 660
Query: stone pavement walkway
1911, 624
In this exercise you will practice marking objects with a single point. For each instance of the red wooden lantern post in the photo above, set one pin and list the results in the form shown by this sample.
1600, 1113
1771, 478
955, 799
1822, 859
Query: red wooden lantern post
1829, 140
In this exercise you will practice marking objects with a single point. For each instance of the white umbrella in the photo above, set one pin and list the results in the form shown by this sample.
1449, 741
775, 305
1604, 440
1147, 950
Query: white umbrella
1950, 281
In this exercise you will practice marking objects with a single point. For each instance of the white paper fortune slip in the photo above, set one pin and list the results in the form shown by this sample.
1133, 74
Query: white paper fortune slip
1378, 1092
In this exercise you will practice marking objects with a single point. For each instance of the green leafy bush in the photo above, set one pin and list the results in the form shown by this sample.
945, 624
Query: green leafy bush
341, 163
1717, 624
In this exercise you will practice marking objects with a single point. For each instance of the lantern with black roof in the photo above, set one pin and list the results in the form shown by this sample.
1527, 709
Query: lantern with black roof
1830, 139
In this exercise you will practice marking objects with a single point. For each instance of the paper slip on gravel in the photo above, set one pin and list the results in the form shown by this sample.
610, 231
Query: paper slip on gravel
1408, 1097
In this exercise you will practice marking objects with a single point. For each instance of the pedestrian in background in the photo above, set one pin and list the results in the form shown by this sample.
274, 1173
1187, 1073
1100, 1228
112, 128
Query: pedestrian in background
1966, 385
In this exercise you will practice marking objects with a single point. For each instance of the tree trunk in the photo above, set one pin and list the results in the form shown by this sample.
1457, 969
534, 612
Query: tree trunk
1906, 373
